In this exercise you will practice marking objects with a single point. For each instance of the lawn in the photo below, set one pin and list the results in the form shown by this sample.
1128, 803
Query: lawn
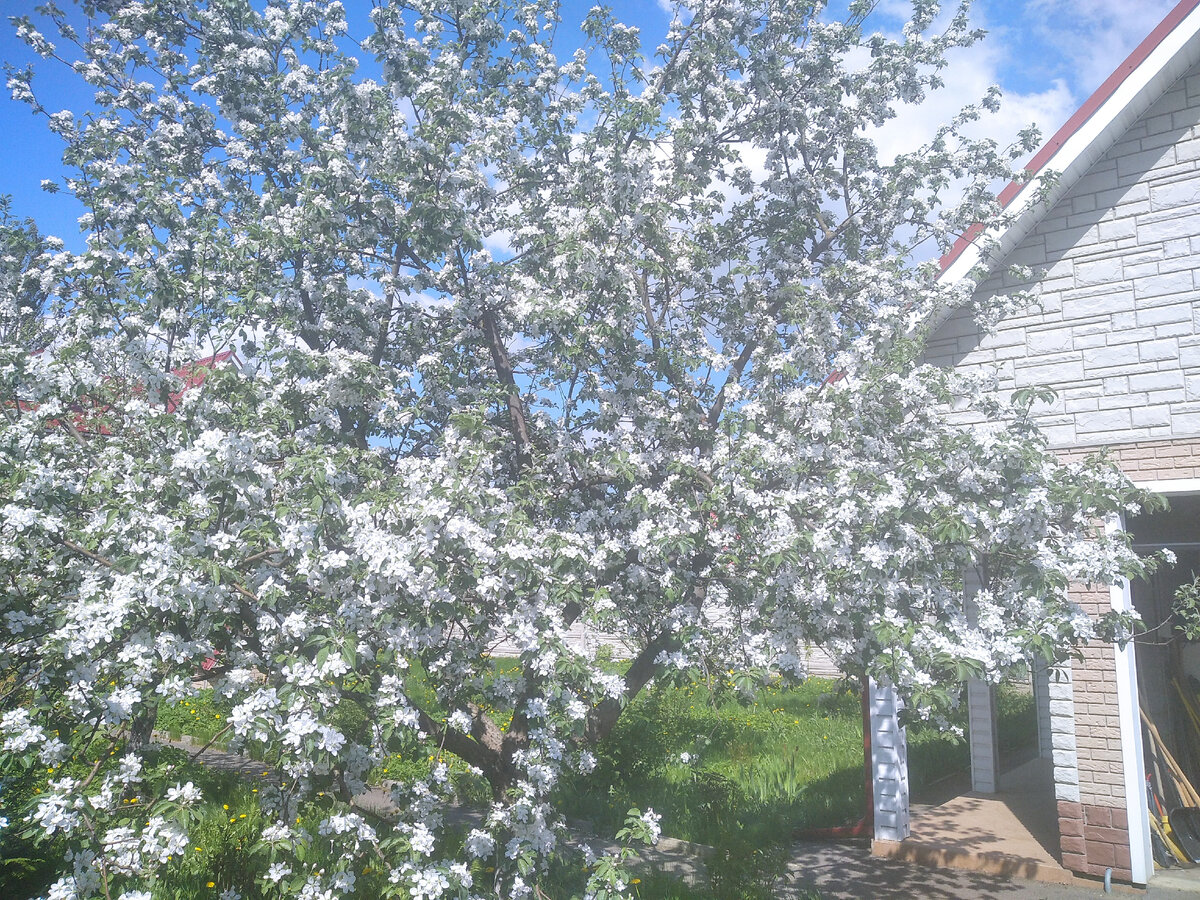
713, 763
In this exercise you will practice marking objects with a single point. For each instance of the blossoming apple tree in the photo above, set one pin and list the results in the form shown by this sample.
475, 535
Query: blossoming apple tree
524, 338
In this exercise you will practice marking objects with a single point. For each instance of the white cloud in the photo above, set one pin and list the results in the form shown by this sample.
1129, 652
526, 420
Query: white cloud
499, 243
1047, 55
967, 78
1092, 37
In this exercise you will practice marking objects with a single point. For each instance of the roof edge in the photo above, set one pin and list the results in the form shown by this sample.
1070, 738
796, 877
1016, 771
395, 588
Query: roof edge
1087, 134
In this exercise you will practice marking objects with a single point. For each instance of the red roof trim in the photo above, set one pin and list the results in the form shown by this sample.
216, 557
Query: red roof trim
1085, 112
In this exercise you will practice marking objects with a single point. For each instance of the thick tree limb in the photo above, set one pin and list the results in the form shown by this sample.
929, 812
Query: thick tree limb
519, 422
602, 718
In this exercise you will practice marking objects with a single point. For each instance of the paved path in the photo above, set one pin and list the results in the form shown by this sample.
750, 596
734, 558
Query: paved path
840, 871
848, 872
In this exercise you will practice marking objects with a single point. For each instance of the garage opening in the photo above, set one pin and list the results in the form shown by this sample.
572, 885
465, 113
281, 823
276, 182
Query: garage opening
1168, 666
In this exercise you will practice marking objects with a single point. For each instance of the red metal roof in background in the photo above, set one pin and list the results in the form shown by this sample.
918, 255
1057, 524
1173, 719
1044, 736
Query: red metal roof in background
88, 416
194, 373
1085, 112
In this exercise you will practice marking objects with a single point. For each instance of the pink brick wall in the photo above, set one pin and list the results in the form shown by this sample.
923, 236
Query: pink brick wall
1160, 460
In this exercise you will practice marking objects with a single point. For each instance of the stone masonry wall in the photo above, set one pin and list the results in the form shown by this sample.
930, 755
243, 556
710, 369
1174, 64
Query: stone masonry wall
1116, 326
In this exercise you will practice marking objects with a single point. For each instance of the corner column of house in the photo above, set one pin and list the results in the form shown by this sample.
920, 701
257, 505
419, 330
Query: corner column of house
981, 733
1041, 703
1107, 824
981, 712
889, 763
1094, 823
1061, 704
1133, 760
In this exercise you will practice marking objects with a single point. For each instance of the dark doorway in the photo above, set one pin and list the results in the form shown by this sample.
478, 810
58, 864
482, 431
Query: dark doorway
1168, 664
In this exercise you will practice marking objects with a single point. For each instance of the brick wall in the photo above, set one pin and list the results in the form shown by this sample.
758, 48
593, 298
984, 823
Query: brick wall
1094, 825
1092, 841
1159, 460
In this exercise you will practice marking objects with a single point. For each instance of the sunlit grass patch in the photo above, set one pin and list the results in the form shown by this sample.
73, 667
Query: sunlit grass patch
200, 717
712, 762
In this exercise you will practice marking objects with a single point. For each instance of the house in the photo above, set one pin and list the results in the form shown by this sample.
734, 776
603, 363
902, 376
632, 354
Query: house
88, 413
1115, 255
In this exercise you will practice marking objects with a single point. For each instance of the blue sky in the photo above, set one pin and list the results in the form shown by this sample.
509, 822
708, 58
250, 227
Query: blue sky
1047, 55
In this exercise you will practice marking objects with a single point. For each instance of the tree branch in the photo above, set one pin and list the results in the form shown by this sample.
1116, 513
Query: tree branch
603, 717
516, 408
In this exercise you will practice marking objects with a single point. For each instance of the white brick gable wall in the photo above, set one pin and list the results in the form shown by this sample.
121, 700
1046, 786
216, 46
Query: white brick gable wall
1117, 272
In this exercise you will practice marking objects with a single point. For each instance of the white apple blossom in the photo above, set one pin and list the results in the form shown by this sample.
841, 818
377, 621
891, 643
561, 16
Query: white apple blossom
429, 884
20, 731
184, 793
421, 839
652, 821
480, 844
56, 811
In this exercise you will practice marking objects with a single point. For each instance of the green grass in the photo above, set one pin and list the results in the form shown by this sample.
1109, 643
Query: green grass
226, 825
792, 758
739, 775
200, 717
710, 762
